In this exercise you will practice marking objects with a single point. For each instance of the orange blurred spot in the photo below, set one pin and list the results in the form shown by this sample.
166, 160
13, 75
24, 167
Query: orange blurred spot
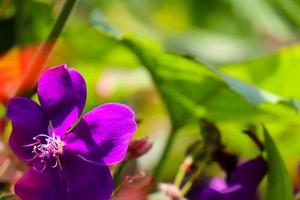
20, 68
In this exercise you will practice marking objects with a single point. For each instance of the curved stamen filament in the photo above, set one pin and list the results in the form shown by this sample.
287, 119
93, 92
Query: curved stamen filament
46, 147
42, 168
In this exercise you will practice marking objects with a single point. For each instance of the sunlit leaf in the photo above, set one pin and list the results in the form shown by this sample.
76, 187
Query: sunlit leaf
277, 72
192, 90
279, 184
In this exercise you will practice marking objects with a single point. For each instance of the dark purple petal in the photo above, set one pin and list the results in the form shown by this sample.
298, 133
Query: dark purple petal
85, 180
41, 186
210, 194
230, 193
242, 184
249, 175
62, 93
103, 134
28, 120
196, 189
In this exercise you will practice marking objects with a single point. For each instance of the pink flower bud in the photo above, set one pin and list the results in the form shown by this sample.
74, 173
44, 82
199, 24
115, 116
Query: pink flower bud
138, 148
137, 186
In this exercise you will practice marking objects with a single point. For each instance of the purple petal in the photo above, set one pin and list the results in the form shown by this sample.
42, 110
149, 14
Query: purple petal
230, 193
62, 93
232, 189
249, 175
41, 186
196, 189
28, 120
218, 184
85, 180
210, 194
103, 134
242, 183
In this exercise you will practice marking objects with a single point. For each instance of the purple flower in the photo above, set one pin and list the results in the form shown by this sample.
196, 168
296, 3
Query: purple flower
67, 163
242, 183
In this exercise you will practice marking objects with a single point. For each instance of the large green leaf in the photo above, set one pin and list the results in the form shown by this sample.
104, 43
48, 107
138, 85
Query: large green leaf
192, 90
279, 185
278, 72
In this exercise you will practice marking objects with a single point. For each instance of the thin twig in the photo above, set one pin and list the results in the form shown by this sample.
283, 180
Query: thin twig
46, 48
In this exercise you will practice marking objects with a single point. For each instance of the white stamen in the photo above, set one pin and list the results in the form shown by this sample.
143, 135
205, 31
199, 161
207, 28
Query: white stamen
52, 147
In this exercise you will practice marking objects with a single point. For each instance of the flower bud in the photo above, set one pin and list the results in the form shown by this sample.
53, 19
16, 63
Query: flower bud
138, 148
137, 186
187, 164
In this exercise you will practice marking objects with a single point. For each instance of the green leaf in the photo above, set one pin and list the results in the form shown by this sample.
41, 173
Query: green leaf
277, 72
279, 185
290, 9
189, 90
192, 90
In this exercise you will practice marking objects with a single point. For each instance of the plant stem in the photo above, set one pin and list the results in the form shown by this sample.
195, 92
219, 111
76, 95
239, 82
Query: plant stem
61, 20
46, 48
179, 177
183, 169
166, 151
200, 169
117, 175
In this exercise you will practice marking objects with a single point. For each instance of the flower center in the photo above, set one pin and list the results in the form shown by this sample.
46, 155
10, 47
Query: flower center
51, 147
47, 150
